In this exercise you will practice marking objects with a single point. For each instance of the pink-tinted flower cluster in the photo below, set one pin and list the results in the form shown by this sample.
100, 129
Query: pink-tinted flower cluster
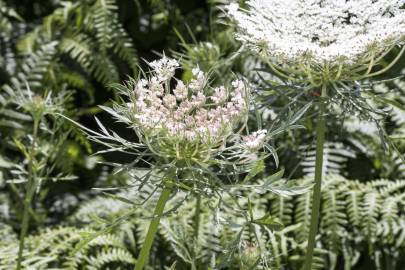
255, 141
191, 112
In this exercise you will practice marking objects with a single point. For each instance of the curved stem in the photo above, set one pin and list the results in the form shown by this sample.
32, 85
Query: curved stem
387, 67
316, 199
278, 72
157, 214
339, 72
371, 64
377, 60
31, 186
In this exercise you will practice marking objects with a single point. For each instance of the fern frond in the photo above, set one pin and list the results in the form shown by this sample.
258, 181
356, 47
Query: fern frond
302, 215
35, 68
370, 213
108, 256
124, 49
103, 15
52, 249
335, 157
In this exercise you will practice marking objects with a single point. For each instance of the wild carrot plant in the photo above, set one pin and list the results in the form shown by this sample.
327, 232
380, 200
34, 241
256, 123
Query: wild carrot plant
326, 47
193, 135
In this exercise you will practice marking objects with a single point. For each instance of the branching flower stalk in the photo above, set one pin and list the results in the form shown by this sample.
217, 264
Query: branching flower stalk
325, 46
38, 107
189, 133
31, 186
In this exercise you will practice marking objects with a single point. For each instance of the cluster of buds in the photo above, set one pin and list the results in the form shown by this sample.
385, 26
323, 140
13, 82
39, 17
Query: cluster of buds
188, 121
188, 113
39, 105
255, 141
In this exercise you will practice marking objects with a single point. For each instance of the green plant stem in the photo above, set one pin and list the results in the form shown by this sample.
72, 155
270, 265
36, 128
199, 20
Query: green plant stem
31, 186
316, 197
197, 216
153, 226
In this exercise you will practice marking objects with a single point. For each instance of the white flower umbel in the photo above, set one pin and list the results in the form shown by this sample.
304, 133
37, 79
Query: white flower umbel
312, 34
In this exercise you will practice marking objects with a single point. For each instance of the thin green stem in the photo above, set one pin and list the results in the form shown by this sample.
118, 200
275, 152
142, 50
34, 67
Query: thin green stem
197, 216
316, 199
153, 226
31, 186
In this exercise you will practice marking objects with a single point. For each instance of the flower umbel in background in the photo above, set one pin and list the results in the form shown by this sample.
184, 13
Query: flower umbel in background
190, 133
321, 40
325, 47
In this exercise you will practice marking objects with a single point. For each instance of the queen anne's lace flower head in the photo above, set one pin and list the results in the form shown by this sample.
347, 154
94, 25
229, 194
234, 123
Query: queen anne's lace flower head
192, 134
186, 113
186, 120
328, 30
321, 32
